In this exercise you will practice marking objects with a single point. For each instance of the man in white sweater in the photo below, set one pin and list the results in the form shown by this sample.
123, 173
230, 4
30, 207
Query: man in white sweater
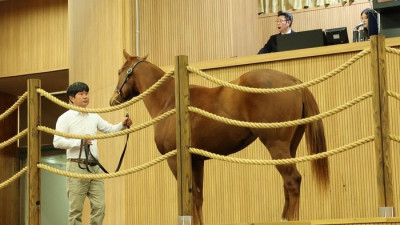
83, 123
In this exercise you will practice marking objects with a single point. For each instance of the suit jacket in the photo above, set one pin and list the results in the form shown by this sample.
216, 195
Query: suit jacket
271, 45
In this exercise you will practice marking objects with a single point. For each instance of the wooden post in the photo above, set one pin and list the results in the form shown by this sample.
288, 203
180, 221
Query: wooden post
34, 119
184, 162
381, 119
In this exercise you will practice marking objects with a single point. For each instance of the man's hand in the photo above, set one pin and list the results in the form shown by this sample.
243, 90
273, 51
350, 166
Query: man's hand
127, 122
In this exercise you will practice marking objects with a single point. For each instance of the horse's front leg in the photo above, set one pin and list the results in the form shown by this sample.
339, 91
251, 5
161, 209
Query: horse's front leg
197, 187
198, 174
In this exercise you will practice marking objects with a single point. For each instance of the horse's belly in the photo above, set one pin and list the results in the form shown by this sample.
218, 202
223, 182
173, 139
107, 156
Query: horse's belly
222, 141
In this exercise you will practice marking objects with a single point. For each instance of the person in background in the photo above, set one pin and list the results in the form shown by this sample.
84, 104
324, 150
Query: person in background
284, 24
363, 26
75, 122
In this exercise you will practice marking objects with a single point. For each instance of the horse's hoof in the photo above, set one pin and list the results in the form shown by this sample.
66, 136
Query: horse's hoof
284, 220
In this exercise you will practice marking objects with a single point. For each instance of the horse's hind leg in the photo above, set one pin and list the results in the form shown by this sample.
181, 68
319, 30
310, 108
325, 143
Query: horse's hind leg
291, 180
294, 144
298, 135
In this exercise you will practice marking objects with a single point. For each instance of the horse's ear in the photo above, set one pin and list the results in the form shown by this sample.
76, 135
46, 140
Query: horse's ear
145, 57
126, 55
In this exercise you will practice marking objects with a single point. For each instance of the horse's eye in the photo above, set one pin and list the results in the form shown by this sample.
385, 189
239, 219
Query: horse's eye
119, 72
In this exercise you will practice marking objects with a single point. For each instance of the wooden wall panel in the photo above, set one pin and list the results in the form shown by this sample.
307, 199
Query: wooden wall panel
34, 36
244, 31
9, 164
203, 30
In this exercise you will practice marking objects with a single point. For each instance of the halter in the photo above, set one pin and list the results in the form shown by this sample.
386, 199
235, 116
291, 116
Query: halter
128, 73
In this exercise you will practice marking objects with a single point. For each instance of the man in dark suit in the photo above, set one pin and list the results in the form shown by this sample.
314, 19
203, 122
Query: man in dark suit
284, 24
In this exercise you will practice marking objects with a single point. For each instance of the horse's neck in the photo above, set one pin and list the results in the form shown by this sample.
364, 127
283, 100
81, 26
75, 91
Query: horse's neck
159, 99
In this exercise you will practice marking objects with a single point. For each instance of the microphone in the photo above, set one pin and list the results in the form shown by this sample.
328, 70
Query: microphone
358, 26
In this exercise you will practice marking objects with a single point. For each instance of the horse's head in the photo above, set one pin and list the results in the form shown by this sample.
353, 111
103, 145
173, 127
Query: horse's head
126, 86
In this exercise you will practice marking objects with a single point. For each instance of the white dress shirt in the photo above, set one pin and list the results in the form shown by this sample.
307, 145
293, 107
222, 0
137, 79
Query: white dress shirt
75, 122
288, 32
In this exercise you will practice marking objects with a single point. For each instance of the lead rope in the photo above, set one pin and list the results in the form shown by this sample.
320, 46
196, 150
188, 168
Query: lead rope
86, 160
89, 153
126, 144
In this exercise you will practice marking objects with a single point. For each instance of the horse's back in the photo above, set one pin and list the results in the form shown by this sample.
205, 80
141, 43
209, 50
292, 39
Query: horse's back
268, 107
266, 78
255, 107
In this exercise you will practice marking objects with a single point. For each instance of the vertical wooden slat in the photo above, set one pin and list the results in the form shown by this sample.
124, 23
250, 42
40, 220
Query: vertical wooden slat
380, 103
34, 151
128, 26
184, 164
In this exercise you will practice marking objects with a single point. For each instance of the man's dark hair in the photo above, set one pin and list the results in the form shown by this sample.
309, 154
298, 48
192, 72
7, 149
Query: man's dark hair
77, 87
288, 16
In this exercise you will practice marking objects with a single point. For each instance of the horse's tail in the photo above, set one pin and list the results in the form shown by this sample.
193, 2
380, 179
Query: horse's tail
315, 138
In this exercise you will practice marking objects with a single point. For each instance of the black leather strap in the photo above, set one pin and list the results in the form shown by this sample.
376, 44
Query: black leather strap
86, 160
88, 153
122, 154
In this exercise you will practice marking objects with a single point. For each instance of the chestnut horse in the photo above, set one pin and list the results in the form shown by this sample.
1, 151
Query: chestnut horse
137, 75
